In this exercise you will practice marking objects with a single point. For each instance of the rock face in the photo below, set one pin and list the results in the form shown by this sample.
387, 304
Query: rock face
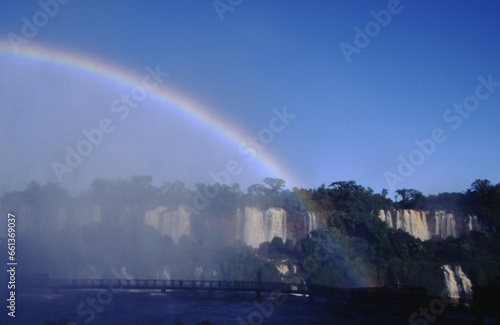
172, 223
425, 225
54, 219
255, 226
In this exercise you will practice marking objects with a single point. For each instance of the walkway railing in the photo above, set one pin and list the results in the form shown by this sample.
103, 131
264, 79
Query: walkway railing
400, 294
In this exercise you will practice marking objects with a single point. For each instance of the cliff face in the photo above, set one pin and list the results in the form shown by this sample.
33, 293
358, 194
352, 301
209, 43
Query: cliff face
426, 225
172, 223
52, 219
251, 225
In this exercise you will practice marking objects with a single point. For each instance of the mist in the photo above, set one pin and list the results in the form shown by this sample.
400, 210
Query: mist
168, 232
70, 127
343, 144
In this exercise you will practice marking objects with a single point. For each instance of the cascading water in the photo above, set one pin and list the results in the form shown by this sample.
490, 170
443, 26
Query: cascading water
251, 225
445, 224
465, 282
172, 223
473, 224
275, 222
415, 223
164, 274
386, 217
412, 221
255, 227
457, 283
451, 282
312, 223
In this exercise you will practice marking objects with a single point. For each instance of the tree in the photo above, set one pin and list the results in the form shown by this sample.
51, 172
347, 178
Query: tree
276, 184
483, 200
410, 199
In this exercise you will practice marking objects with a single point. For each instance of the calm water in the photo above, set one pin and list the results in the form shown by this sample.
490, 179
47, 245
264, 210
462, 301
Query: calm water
101, 307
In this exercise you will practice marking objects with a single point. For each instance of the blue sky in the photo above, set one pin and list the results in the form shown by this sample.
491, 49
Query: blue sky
355, 120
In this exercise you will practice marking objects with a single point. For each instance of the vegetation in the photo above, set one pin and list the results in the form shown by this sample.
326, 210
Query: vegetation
353, 248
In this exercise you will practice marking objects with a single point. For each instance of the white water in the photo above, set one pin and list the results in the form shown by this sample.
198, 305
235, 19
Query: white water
451, 282
465, 281
312, 223
415, 223
457, 283
164, 274
386, 217
473, 224
412, 221
255, 226
445, 224
172, 223
275, 222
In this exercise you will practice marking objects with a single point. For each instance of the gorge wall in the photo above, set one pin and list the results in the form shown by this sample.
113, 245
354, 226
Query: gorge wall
172, 223
251, 225
426, 225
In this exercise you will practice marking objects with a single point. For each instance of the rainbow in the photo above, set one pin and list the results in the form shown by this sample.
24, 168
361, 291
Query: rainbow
166, 96
113, 75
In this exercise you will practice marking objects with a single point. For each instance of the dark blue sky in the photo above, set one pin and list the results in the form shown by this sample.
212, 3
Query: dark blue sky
359, 115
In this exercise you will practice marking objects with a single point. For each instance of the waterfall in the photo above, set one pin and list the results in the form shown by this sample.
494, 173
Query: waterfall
386, 217
465, 281
85, 215
164, 275
473, 223
419, 226
239, 225
399, 221
445, 224
275, 222
172, 223
412, 221
415, 223
312, 224
255, 227
451, 282
457, 289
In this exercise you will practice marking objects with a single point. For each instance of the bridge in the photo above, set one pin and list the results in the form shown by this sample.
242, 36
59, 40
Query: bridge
386, 294
164, 285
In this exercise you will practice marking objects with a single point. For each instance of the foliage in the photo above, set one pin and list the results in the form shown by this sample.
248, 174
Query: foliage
354, 248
